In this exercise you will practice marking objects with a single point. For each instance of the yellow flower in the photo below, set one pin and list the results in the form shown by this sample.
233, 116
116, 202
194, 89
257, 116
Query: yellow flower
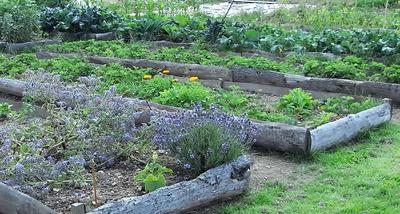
194, 78
147, 76
166, 72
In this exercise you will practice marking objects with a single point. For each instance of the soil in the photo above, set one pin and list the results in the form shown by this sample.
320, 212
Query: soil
112, 185
270, 166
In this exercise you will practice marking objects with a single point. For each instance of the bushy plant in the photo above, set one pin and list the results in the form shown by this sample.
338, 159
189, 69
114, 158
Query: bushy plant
54, 3
82, 125
239, 38
87, 19
19, 20
6, 111
298, 102
347, 105
202, 139
186, 95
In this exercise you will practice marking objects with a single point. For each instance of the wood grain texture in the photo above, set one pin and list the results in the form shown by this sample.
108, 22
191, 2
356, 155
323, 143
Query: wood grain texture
345, 129
219, 183
15, 202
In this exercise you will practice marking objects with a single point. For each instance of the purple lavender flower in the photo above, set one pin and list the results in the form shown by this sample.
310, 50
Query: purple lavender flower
174, 126
77, 161
225, 147
187, 166
19, 168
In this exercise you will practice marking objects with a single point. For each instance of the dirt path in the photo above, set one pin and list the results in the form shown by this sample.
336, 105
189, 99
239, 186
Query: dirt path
270, 166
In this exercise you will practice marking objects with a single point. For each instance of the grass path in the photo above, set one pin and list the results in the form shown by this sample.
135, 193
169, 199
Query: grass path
363, 177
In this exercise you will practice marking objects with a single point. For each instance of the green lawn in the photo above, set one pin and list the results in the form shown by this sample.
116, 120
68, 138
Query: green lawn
358, 178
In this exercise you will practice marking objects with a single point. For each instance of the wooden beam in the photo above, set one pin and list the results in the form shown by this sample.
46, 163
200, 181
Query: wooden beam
15, 202
220, 183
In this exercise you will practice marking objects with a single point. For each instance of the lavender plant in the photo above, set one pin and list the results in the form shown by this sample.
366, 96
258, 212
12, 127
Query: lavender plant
81, 125
202, 139
94, 123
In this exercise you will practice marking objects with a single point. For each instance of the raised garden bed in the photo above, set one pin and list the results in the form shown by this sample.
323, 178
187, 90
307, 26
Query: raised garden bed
279, 136
247, 78
218, 183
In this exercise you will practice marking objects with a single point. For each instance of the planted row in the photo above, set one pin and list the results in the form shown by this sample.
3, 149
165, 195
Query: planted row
350, 67
298, 107
223, 34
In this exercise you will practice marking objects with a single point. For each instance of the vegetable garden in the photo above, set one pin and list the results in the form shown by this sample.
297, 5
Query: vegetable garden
141, 106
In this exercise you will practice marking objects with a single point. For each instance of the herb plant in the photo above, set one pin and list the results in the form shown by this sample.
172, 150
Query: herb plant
152, 176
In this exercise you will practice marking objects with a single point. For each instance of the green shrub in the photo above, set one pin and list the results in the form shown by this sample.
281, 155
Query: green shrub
74, 19
16, 65
347, 105
186, 95
270, 116
298, 102
234, 99
130, 81
53, 3
5, 110
19, 20
206, 147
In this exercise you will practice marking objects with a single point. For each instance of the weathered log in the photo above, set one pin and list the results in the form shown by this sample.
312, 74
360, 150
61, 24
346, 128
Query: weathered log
321, 84
219, 183
258, 76
15, 202
15, 47
86, 36
105, 36
379, 89
169, 44
176, 69
338, 86
12, 87
282, 137
347, 128
275, 90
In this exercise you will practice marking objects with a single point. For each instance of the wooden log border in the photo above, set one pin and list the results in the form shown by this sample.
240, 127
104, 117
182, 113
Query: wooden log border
226, 181
15, 202
253, 76
16, 47
347, 128
87, 36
